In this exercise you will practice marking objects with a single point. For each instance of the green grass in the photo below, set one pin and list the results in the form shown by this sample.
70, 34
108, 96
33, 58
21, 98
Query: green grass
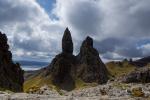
79, 84
117, 69
38, 81
6, 90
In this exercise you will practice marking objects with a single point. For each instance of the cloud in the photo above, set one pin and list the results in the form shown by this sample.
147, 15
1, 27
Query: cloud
117, 26
29, 28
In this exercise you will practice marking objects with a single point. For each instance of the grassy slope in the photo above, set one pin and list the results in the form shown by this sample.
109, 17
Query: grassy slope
117, 69
39, 81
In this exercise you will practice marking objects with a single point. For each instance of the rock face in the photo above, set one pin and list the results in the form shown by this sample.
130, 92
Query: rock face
11, 75
141, 75
63, 65
67, 44
90, 67
66, 67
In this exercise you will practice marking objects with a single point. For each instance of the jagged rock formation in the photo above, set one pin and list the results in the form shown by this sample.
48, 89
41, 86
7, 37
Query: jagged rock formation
11, 75
87, 65
67, 44
141, 75
90, 67
62, 67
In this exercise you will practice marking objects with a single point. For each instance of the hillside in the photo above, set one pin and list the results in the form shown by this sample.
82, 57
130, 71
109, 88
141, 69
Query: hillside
119, 68
141, 62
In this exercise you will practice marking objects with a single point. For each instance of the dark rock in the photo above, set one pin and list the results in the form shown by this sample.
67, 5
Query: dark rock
63, 65
141, 75
11, 75
63, 71
90, 68
141, 62
65, 68
67, 44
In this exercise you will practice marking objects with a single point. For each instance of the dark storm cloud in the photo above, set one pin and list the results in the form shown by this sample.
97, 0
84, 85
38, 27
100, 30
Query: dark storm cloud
117, 26
23, 22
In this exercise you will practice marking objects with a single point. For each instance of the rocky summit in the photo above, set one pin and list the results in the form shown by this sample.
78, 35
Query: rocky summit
87, 66
67, 44
62, 67
11, 75
90, 68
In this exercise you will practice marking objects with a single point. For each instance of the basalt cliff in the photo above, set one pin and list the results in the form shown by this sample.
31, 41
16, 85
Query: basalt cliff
11, 75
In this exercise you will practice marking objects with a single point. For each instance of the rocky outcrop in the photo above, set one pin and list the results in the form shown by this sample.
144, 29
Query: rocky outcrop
65, 68
90, 68
141, 75
67, 44
11, 75
62, 67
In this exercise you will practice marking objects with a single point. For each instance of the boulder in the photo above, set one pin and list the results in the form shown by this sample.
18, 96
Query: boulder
137, 92
141, 75
63, 71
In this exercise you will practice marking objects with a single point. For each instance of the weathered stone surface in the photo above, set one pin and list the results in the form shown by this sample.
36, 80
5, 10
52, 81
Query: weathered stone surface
90, 68
11, 75
65, 68
63, 71
140, 75
112, 91
62, 67
67, 44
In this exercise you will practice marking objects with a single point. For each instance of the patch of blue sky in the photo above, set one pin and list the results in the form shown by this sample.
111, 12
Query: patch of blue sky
48, 6
143, 42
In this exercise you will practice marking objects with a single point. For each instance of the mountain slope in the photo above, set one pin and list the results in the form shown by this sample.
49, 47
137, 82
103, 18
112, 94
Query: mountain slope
119, 68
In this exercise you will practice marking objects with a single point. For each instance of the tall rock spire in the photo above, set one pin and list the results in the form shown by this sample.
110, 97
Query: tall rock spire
67, 44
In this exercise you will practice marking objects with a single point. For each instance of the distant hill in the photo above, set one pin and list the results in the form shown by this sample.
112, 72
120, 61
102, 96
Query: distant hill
32, 63
142, 62
119, 68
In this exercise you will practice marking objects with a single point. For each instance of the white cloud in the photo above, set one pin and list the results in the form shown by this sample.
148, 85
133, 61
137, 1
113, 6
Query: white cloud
116, 25
29, 27
145, 49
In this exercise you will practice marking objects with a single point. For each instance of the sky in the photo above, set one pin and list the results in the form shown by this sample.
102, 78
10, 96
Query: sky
120, 28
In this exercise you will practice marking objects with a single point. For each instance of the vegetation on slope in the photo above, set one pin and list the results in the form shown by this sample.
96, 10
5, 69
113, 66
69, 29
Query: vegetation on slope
39, 81
117, 69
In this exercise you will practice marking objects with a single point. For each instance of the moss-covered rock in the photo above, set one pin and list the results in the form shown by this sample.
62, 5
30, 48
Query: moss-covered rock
137, 92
